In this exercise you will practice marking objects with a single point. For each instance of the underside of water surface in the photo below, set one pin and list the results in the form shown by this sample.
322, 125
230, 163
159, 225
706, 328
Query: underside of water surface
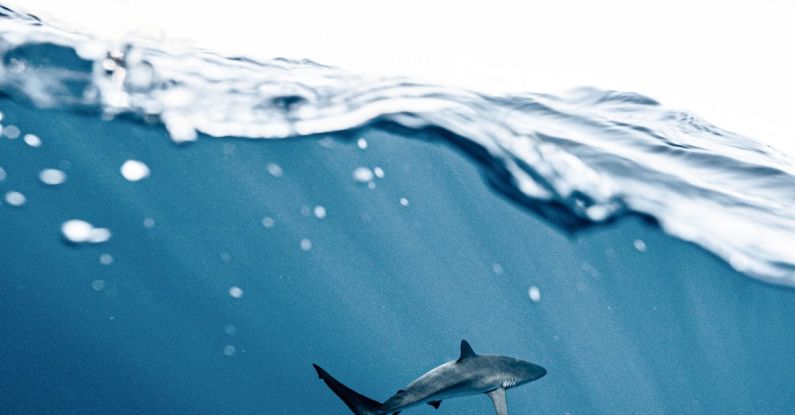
592, 155
160, 255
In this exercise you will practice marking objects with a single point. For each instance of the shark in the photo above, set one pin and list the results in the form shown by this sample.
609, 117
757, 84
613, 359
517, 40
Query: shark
471, 374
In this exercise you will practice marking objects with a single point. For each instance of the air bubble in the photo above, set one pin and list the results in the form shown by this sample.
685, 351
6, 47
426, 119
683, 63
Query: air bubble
52, 177
32, 140
106, 259
235, 292
98, 285
228, 149
230, 330
134, 170
362, 174
320, 212
11, 132
14, 198
326, 143
534, 293
274, 170
229, 350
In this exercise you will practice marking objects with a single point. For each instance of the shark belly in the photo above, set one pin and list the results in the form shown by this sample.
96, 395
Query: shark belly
449, 380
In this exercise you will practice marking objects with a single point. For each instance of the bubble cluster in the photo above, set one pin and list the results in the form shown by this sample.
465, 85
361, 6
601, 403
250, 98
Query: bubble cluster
79, 231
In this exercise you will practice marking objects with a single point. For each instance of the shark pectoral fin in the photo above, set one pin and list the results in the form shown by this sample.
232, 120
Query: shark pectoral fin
498, 399
435, 404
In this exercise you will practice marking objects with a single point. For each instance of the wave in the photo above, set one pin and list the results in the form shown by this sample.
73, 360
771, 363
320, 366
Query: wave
582, 158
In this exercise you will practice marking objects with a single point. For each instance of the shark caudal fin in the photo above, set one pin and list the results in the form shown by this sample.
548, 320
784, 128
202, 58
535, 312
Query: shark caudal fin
359, 404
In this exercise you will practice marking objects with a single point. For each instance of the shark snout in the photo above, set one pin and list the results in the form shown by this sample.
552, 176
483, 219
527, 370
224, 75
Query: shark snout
532, 372
540, 372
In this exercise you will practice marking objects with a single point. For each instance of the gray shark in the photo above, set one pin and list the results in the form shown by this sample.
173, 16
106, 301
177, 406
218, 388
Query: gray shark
471, 374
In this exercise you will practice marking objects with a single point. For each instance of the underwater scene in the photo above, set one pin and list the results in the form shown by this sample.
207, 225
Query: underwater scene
187, 233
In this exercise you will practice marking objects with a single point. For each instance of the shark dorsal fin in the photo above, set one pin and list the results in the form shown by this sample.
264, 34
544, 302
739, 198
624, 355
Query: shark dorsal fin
466, 351
435, 404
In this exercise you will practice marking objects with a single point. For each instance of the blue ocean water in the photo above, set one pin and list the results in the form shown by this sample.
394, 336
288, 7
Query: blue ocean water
390, 220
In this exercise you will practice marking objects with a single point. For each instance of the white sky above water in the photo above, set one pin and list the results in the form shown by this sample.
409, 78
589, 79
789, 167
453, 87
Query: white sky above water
731, 62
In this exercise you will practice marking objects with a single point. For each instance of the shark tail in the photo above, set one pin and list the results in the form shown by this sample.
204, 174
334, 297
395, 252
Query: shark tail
359, 404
